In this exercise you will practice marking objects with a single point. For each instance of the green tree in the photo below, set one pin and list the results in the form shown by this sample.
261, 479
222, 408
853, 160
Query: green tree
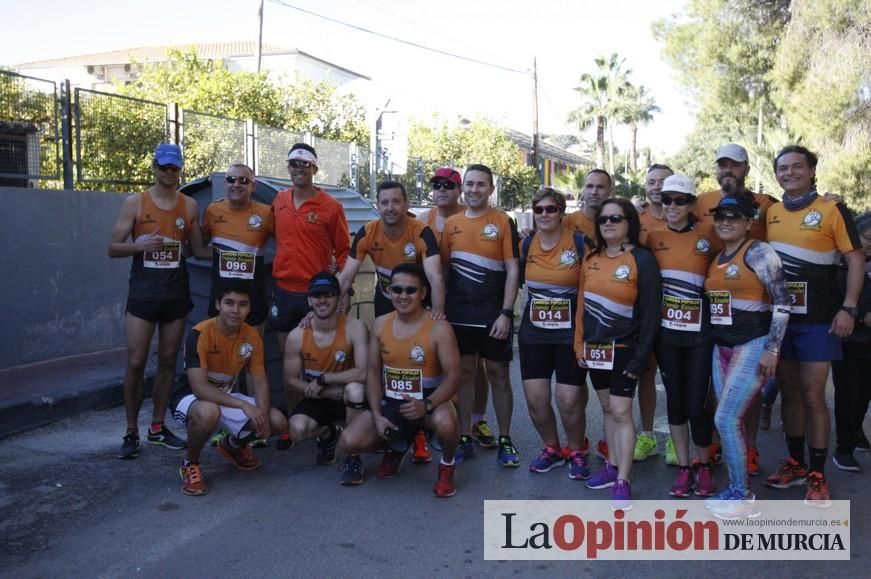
479, 142
638, 108
600, 93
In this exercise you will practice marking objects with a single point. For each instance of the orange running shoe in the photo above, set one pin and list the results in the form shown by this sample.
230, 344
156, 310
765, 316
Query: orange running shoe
242, 458
192, 480
421, 454
791, 474
445, 486
818, 494
752, 461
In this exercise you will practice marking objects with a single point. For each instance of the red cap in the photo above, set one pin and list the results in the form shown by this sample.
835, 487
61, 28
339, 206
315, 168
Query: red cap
449, 174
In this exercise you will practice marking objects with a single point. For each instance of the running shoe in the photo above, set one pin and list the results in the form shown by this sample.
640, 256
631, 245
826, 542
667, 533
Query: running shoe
846, 461
752, 461
327, 445
192, 483
705, 481
508, 455
683, 484
444, 486
484, 435
791, 474
818, 494
645, 446
862, 444
765, 417
218, 437
602, 450
548, 459
731, 504
284, 442
352, 471
129, 447
166, 438
604, 478
670, 453
421, 454
465, 450
242, 458
621, 496
578, 469
390, 464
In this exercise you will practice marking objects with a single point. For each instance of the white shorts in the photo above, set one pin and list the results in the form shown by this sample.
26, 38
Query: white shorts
232, 419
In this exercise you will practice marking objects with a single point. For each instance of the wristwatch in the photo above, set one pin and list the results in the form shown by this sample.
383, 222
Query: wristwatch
507, 312
321, 380
427, 405
852, 310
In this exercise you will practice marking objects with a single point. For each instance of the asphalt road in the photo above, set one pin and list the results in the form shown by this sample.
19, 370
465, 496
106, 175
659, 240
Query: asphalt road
69, 508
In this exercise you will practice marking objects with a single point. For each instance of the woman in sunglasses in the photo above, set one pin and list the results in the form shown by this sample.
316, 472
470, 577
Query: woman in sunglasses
684, 250
550, 262
749, 308
616, 325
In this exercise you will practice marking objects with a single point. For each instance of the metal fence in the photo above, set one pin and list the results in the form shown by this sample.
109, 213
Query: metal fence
272, 146
29, 125
212, 143
116, 136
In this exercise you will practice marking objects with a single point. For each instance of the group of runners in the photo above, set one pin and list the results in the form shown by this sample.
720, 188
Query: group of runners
723, 291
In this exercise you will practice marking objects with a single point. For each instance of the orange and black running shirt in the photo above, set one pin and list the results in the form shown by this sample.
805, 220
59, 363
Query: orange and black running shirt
684, 258
410, 365
161, 274
337, 357
706, 202
551, 278
476, 249
577, 221
414, 245
737, 288
223, 357
239, 238
619, 300
810, 243
649, 223
307, 239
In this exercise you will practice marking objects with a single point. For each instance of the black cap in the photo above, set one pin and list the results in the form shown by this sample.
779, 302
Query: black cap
736, 203
324, 283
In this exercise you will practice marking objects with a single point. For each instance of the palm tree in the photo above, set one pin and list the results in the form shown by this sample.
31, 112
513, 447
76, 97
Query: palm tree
600, 92
637, 107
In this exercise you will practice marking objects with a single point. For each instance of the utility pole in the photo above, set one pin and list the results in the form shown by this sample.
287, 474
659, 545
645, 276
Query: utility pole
535, 117
259, 51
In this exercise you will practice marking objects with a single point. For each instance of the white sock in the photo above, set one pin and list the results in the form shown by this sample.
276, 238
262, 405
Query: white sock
446, 463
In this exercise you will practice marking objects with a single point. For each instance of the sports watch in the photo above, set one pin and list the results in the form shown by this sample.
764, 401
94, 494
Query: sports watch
427, 405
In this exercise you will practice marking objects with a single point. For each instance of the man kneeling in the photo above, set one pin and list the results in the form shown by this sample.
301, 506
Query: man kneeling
414, 371
325, 362
217, 351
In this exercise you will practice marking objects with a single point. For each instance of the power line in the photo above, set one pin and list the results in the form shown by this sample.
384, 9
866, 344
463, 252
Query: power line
400, 40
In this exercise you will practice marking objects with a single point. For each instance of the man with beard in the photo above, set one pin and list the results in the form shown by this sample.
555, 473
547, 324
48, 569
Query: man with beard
325, 362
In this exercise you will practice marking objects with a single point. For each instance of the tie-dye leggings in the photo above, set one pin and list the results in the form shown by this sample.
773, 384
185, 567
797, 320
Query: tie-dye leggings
736, 382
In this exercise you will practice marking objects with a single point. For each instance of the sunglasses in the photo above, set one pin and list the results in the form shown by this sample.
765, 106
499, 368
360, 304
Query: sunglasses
299, 164
603, 219
679, 201
399, 290
728, 216
549, 209
242, 180
446, 185
170, 168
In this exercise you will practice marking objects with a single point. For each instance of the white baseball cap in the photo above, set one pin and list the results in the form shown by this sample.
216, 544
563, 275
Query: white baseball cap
678, 183
732, 151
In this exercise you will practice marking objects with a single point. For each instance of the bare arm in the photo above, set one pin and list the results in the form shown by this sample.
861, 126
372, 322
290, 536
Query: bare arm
374, 387
293, 377
449, 358
843, 323
119, 246
432, 266
357, 334
198, 246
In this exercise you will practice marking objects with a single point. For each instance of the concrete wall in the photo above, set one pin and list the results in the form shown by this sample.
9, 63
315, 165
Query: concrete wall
61, 294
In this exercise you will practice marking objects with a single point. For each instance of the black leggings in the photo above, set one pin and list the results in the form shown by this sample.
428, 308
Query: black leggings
686, 373
852, 394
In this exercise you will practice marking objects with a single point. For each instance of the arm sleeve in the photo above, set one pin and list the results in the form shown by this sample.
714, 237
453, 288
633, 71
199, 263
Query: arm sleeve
765, 263
649, 309
359, 246
193, 357
429, 240
341, 237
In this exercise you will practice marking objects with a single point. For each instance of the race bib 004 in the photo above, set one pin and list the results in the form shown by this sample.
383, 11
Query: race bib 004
167, 257
236, 264
599, 356
551, 314
721, 307
399, 381
684, 314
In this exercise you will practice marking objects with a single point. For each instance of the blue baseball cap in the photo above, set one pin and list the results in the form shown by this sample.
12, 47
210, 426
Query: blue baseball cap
324, 283
168, 154
736, 203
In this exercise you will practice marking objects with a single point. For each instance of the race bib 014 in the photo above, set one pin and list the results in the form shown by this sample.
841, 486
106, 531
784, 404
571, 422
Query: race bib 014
551, 314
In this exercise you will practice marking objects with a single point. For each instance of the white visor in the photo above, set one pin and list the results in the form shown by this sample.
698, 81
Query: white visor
302, 155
